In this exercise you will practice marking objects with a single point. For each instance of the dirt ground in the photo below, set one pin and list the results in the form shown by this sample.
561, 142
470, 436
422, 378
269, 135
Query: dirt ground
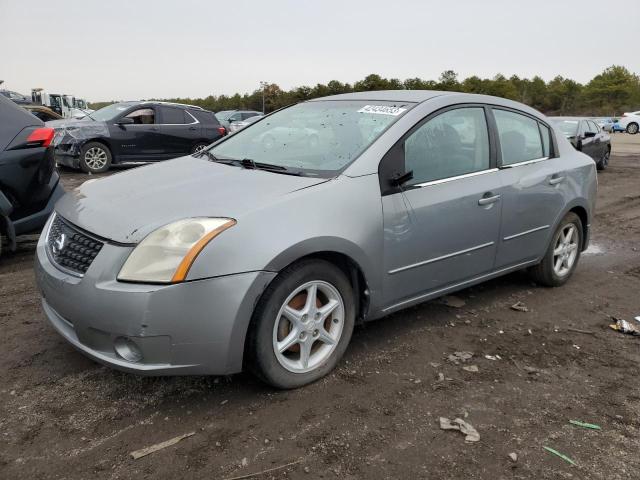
376, 416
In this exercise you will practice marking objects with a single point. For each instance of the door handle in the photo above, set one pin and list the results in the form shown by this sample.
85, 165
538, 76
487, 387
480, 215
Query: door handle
556, 179
192, 128
488, 200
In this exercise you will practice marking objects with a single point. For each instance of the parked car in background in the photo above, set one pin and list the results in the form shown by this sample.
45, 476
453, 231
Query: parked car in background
265, 256
617, 128
43, 113
605, 124
227, 117
29, 182
630, 121
131, 132
239, 125
587, 137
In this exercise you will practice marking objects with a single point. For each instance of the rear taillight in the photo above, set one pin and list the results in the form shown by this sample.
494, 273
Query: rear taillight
40, 137
222, 130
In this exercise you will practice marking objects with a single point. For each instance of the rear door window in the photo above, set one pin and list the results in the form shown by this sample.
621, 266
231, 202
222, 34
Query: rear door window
172, 116
520, 139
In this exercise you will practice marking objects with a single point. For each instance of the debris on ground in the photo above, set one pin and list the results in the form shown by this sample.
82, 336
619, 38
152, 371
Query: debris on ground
623, 326
513, 456
471, 434
591, 426
471, 368
520, 307
159, 446
577, 330
453, 301
456, 357
558, 454
493, 357
269, 470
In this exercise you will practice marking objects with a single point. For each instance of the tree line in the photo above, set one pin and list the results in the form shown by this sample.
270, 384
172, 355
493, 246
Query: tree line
610, 93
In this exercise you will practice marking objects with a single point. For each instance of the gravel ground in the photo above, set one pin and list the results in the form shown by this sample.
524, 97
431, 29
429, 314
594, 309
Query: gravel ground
376, 416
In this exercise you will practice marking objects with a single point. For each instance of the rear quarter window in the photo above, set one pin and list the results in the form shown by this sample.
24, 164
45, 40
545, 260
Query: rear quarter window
205, 117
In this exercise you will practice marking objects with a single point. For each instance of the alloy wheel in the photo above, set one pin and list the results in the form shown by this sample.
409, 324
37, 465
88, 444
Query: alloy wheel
199, 148
308, 327
565, 250
95, 158
632, 128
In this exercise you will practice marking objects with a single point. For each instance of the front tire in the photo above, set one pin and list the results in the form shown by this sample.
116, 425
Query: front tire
95, 157
302, 325
198, 147
562, 255
632, 128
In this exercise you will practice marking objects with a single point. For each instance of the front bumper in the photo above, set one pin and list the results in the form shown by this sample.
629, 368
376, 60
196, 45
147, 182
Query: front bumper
68, 154
195, 327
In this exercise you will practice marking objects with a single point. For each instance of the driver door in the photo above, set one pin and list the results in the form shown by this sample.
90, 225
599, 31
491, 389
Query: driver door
140, 140
441, 228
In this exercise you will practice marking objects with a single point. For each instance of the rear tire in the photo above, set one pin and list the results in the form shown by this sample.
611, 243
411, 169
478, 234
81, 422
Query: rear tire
632, 128
95, 157
302, 325
603, 163
561, 258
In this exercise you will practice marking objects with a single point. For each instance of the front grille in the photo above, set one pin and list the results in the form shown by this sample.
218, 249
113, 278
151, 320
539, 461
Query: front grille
70, 248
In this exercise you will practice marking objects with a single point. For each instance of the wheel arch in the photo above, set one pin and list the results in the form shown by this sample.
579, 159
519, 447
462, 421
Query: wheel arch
579, 207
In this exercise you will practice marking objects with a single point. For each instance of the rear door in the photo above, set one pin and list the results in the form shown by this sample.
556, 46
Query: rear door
533, 180
180, 130
140, 140
441, 227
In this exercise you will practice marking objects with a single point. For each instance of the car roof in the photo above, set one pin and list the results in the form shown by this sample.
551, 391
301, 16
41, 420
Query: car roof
571, 118
158, 102
416, 96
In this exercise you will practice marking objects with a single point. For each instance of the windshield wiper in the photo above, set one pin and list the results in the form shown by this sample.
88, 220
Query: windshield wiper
251, 164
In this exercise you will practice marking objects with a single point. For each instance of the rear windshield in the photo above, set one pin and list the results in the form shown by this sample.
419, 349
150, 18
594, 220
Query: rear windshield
316, 138
568, 127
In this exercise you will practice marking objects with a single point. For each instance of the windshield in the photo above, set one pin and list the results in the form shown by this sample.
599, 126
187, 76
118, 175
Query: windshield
110, 111
316, 138
568, 127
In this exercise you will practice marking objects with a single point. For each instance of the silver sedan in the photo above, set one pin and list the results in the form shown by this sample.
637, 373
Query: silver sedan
264, 254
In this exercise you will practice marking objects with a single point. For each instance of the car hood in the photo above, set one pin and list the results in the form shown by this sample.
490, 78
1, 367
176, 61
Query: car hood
128, 206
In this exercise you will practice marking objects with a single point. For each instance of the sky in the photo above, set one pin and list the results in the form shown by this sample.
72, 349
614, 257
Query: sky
104, 50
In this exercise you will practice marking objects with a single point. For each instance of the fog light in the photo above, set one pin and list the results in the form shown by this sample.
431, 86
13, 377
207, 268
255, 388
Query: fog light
127, 349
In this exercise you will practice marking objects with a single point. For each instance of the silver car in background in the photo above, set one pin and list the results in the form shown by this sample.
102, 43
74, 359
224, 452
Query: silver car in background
240, 124
264, 254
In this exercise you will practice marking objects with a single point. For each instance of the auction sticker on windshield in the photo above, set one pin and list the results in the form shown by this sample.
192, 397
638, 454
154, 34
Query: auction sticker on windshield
382, 110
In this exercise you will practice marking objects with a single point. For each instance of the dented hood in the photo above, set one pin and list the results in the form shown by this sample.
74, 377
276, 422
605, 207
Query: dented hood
128, 206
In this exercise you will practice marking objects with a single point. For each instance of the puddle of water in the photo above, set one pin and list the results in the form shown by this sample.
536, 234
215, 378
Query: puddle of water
593, 250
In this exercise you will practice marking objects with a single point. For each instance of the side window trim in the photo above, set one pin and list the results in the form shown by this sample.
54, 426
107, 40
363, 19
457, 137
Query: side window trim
552, 144
392, 162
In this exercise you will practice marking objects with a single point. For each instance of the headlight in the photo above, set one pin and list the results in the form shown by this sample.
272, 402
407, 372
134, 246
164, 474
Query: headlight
166, 255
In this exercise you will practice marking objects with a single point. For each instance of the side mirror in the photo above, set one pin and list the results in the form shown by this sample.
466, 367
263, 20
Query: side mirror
400, 179
125, 121
589, 134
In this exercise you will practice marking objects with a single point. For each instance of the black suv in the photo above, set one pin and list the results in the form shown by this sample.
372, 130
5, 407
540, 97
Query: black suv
130, 132
29, 182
